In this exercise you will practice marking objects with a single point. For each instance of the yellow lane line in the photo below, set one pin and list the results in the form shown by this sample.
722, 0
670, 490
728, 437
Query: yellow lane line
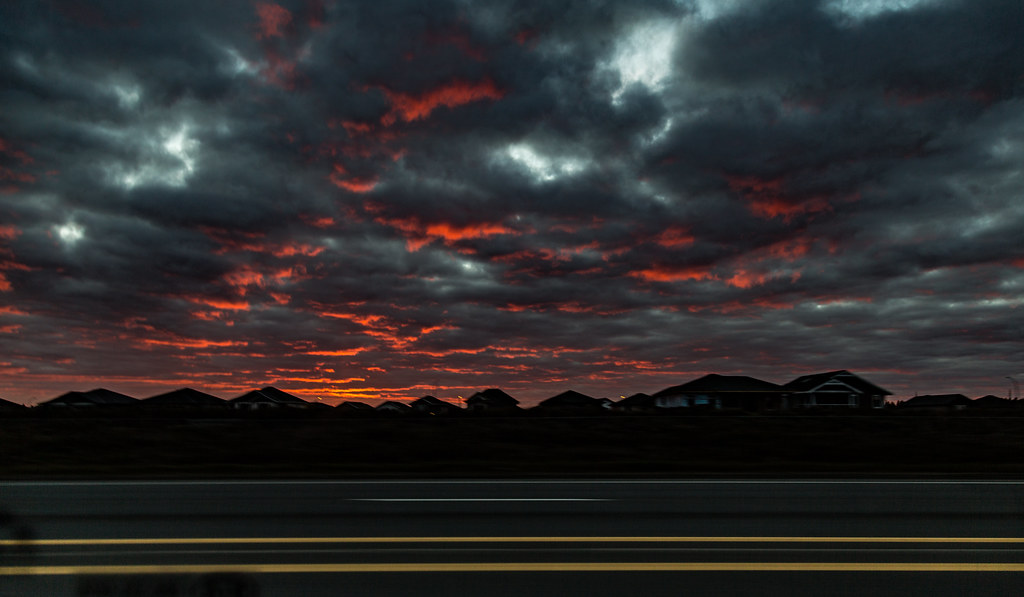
314, 540
515, 567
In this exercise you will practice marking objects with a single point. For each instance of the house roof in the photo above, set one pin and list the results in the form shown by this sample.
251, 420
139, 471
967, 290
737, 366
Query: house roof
639, 400
492, 397
269, 394
354, 405
714, 382
7, 404
992, 400
808, 383
938, 400
97, 397
431, 401
570, 398
184, 397
393, 405
433, 404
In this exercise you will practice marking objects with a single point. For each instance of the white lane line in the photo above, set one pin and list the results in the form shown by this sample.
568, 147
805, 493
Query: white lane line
481, 499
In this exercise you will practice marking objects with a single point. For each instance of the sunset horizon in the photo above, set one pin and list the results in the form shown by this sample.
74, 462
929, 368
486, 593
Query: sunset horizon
381, 201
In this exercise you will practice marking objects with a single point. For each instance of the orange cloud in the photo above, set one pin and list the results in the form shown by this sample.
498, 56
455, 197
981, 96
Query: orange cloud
660, 273
411, 107
297, 249
418, 234
347, 352
9, 232
767, 198
192, 343
674, 238
273, 20
221, 304
747, 279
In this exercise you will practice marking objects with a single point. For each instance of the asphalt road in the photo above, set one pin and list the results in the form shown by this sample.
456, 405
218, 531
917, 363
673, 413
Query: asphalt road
466, 538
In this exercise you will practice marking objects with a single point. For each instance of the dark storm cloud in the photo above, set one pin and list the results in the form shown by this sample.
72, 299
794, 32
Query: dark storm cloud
386, 199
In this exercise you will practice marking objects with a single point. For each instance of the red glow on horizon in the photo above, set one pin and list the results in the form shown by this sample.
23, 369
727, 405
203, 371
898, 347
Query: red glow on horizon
11, 176
273, 20
672, 274
347, 352
321, 222
317, 13
356, 185
417, 234
220, 304
305, 250
279, 71
791, 250
766, 198
674, 238
193, 343
411, 107
746, 279
526, 37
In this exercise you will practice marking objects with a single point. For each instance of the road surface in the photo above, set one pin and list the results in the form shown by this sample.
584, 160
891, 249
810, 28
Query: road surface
515, 537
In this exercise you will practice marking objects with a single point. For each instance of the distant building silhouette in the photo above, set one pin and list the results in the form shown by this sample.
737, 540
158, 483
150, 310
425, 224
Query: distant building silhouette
92, 398
268, 397
184, 398
723, 391
491, 399
431, 405
393, 407
573, 401
938, 402
835, 389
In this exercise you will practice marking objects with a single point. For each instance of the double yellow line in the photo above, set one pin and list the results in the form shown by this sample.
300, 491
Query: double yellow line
516, 539
512, 567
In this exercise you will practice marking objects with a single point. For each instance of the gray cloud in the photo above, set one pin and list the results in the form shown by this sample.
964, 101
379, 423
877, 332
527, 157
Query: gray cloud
379, 200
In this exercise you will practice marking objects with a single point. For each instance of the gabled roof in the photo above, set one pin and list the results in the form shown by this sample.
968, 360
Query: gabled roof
714, 382
183, 397
432, 404
992, 400
97, 397
393, 405
938, 400
354, 405
492, 397
809, 383
431, 401
269, 395
570, 399
8, 405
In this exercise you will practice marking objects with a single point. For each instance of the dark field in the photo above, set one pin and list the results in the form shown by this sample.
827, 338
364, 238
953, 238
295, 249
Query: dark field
293, 444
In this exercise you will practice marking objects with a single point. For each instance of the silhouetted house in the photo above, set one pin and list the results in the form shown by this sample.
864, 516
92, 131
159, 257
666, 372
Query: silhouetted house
573, 401
185, 398
835, 389
268, 397
8, 406
393, 407
430, 405
354, 407
91, 399
938, 402
723, 391
491, 399
636, 403
992, 401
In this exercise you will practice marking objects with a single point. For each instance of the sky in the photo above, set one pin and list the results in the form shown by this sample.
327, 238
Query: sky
388, 199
